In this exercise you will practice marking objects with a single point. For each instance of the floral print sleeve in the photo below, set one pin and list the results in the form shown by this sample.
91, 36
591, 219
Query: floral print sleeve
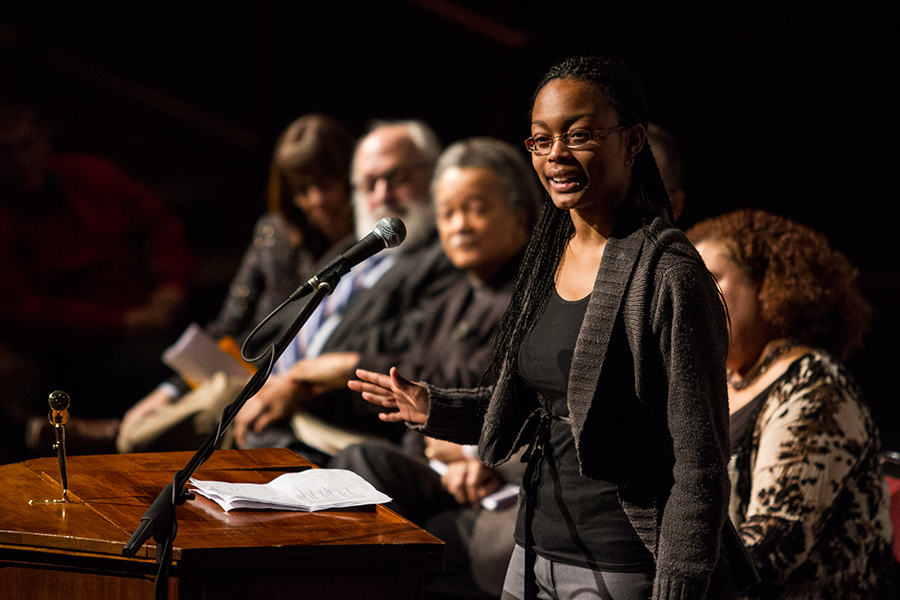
814, 511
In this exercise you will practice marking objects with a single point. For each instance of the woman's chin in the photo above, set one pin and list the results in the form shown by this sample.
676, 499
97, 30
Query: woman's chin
567, 200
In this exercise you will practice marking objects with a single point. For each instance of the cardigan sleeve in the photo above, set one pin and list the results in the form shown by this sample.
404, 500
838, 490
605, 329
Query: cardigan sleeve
690, 323
456, 415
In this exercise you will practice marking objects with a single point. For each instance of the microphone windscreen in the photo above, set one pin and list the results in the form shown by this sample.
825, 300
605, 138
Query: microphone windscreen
59, 401
391, 230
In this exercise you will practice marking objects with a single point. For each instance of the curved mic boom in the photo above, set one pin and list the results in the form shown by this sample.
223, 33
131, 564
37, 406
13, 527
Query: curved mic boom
389, 232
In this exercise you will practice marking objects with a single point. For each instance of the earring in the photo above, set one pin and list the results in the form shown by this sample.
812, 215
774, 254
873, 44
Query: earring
630, 160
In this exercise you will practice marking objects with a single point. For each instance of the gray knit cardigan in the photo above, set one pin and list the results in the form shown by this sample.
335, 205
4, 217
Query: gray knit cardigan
647, 404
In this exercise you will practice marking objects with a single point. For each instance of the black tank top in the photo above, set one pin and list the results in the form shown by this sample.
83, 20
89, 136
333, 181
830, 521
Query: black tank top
577, 520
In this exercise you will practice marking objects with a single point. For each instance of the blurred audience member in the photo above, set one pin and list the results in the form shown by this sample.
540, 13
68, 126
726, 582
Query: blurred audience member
377, 308
94, 274
309, 216
487, 200
809, 499
671, 166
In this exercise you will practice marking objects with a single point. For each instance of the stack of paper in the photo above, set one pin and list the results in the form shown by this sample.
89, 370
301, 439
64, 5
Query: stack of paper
314, 489
196, 357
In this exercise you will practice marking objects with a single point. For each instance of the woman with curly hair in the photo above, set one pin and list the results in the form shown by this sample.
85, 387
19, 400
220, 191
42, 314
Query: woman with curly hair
808, 497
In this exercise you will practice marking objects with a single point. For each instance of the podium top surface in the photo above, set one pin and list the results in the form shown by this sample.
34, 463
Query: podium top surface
110, 493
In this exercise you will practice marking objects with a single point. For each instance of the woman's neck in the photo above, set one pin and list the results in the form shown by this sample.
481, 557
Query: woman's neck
773, 361
595, 226
580, 262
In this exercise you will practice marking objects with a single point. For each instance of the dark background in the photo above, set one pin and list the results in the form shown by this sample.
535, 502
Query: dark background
788, 109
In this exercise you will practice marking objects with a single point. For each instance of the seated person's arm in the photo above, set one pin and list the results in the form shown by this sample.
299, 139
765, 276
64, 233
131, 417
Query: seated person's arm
163, 395
278, 399
444, 451
469, 481
466, 479
326, 372
283, 395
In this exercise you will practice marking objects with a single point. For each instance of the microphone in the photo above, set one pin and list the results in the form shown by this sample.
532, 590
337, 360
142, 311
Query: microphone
59, 407
388, 233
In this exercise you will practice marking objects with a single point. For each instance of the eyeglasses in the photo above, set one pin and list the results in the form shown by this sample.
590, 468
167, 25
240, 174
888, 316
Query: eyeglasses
542, 144
394, 178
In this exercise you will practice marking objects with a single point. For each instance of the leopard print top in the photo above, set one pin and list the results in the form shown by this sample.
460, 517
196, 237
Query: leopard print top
808, 496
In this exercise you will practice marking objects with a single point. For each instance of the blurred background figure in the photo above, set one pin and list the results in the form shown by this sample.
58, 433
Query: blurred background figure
809, 498
487, 199
378, 308
94, 275
309, 216
670, 162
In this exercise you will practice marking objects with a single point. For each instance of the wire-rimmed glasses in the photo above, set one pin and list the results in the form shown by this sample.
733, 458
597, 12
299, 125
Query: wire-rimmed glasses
576, 138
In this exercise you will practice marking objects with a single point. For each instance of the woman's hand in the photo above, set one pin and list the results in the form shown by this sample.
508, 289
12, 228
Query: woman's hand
393, 391
469, 481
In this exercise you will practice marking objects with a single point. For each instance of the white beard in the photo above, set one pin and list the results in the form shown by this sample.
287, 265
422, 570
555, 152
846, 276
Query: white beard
418, 218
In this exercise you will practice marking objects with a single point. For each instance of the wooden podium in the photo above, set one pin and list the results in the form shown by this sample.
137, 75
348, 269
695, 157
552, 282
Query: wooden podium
74, 551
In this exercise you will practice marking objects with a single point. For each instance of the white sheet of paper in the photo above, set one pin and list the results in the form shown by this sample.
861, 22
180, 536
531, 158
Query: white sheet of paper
196, 357
313, 489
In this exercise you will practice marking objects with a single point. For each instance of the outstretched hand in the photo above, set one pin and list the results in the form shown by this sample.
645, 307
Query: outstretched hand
393, 391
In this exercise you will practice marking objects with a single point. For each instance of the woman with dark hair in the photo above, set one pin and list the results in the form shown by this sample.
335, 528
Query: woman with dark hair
309, 212
309, 183
609, 365
808, 497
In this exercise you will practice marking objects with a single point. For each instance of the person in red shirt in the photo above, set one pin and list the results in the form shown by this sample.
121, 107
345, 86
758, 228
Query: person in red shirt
94, 274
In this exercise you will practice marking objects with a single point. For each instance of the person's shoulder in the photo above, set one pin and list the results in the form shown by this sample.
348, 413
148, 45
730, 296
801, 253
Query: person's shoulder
426, 246
504, 282
270, 219
83, 165
426, 264
818, 365
818, 384
99, 179
670, 247
427, 254
670, 237
674, 265
269, 226
272, 237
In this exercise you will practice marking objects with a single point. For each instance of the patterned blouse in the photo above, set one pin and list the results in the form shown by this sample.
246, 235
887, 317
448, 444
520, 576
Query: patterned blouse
808, 496
271, 269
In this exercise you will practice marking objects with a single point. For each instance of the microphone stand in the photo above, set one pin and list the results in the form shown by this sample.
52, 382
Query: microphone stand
160, 519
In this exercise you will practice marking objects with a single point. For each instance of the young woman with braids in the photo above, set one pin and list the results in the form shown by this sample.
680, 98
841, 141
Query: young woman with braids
609, 365
809, 499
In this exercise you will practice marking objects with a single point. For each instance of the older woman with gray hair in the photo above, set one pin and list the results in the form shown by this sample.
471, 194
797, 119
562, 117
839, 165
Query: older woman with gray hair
520, 190
486, 199
486, 202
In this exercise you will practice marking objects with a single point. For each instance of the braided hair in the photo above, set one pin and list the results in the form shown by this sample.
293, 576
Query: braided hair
535, 281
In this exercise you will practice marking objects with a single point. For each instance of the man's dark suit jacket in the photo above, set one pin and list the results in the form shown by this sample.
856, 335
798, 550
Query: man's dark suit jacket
386, 319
